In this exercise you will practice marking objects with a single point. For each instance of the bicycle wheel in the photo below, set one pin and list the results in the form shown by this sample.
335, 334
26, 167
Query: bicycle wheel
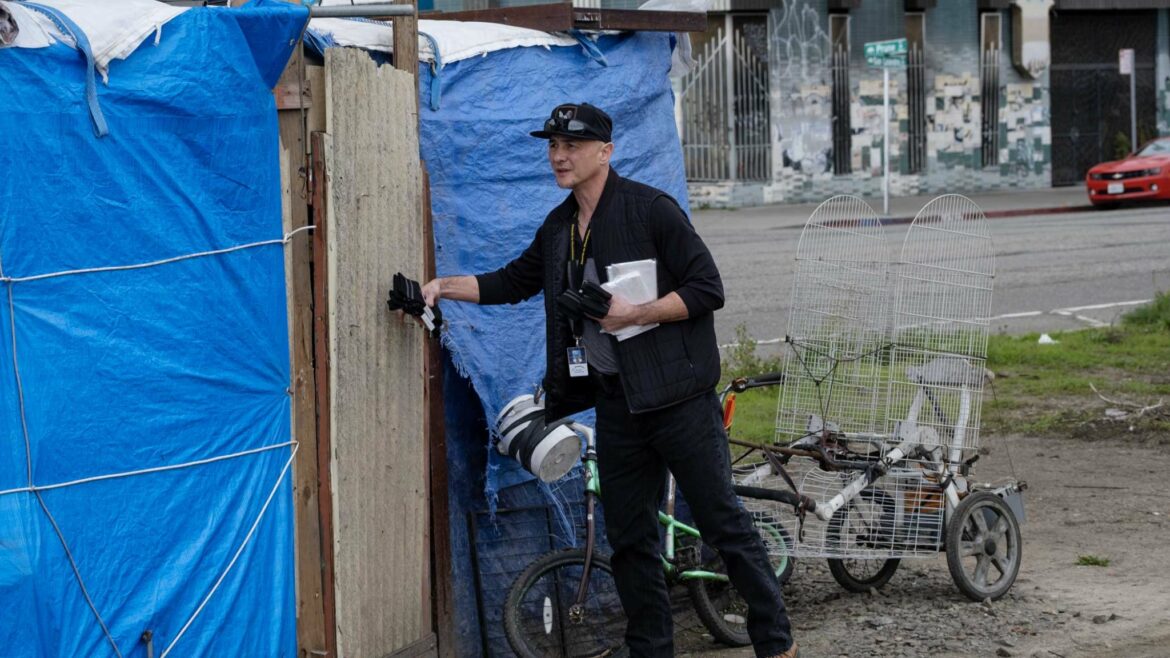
537, 616
718, 605
865, 525
983, 546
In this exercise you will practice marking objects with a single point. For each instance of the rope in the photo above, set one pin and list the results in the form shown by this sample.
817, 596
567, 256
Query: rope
147, 471
77, 574
19, 383
232, 563
36, 491
165, 261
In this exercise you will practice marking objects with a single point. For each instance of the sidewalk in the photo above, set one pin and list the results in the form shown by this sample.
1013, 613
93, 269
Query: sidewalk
903, 209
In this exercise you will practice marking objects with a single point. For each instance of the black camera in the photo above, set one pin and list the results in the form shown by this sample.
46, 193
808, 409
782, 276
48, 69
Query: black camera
591, 300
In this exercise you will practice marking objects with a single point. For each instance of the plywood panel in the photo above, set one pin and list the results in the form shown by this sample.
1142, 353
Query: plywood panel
376, 362
294, 128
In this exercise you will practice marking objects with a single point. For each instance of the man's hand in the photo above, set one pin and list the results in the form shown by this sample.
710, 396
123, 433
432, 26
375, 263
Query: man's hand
624, 314
621, 314
431, 292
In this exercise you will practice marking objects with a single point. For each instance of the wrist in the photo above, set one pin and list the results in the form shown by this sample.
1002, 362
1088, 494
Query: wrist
638, 316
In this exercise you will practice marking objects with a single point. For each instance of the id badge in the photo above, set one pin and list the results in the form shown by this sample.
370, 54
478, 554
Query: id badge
578, 366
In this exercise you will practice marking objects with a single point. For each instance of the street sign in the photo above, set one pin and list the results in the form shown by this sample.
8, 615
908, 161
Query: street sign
886, 54
1125, 61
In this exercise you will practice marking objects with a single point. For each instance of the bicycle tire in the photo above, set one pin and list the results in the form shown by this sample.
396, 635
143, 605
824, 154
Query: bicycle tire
846, 571
536, 612
719, 607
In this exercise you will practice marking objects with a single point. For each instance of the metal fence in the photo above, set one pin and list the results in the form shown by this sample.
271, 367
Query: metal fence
916, 112
989, 106
725, 112
842, 104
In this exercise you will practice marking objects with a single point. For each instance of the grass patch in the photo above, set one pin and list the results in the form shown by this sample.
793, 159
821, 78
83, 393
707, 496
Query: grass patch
1153, 316
1092, 561
1038, 389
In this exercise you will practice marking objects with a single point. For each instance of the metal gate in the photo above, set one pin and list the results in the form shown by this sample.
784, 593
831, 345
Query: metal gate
1090, 99
724, 100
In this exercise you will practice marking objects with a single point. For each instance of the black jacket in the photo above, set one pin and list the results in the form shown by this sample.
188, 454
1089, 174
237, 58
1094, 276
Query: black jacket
671, 363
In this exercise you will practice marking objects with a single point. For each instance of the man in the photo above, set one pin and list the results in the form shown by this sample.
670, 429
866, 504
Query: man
654, 392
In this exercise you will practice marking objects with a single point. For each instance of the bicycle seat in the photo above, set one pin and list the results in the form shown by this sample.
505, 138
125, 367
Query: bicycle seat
946, 371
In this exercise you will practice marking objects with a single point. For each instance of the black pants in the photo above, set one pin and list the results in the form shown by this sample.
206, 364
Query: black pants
634, 452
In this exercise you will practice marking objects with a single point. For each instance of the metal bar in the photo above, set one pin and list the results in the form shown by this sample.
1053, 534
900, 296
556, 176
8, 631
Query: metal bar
886, 141
360, 11
729, 100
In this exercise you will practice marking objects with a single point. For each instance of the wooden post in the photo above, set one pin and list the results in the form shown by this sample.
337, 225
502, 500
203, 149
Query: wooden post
296, 115
406, 41
320, 178
436, 438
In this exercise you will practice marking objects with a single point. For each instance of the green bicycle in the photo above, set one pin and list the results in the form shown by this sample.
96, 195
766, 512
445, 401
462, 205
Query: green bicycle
565, 603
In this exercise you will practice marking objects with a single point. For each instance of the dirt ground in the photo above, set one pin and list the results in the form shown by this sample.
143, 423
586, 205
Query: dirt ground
1104, 496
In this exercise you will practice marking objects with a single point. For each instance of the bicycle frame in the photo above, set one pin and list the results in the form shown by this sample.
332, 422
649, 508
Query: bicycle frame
666, 518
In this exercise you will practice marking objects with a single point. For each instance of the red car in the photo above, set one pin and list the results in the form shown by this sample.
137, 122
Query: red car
1143, 176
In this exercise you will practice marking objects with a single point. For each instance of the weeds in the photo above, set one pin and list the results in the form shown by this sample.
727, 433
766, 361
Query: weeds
1153, 316
742, 360
1092, 561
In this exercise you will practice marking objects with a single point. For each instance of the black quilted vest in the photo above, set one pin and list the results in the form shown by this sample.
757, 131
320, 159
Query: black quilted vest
674, 362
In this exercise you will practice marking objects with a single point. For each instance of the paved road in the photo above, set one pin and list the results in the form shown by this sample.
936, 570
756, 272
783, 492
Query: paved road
1053, 271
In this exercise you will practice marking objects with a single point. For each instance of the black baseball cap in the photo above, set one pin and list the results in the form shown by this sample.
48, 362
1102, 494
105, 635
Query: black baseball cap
578, 120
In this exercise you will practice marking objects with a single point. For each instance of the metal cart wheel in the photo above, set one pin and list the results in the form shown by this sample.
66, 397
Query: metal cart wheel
983, 546
865, 525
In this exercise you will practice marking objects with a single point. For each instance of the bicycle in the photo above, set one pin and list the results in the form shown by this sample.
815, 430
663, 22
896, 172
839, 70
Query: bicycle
565, 602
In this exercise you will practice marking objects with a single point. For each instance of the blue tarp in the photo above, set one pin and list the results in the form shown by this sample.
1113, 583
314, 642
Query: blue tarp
123, 370
491, 184
491, 187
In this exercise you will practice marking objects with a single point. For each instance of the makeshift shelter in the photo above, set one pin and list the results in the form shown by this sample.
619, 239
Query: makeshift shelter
145, 448
482, 88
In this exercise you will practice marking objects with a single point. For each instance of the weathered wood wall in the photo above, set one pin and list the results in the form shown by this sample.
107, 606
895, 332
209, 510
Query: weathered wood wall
376, 427
296, 91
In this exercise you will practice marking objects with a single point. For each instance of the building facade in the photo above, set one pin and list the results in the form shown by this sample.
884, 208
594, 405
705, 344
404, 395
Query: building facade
996, 95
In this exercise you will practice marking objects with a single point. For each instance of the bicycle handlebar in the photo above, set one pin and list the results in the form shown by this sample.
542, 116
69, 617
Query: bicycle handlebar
741, 384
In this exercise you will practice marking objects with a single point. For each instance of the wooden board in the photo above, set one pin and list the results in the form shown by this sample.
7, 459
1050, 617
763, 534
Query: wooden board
563, 16
376, 388
294, 126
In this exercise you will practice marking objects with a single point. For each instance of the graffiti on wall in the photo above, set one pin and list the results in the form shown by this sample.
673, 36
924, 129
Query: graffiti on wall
1025, 120
953, 121
799, 58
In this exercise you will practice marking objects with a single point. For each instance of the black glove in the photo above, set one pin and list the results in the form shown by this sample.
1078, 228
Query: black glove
406, 295
592, 301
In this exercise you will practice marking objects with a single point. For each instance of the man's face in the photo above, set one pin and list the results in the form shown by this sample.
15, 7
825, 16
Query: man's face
575, 161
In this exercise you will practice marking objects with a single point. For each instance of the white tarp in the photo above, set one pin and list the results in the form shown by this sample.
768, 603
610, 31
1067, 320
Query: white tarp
456, 40
114, 29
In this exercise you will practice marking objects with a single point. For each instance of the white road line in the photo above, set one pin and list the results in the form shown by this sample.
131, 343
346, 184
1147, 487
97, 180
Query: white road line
1099, 306
1070, 312
1025, 314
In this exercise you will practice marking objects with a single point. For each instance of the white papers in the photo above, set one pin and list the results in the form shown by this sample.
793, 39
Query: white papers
637, 283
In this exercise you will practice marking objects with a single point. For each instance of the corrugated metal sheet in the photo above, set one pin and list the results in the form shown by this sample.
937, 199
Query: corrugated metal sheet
376, 362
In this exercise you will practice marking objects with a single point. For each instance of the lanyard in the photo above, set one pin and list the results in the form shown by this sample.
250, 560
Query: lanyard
573, 246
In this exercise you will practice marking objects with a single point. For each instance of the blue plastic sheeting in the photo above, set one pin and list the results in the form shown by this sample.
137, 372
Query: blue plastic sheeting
146, 368
491, 184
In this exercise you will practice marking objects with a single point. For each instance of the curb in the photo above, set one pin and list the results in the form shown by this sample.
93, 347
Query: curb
1002, 214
